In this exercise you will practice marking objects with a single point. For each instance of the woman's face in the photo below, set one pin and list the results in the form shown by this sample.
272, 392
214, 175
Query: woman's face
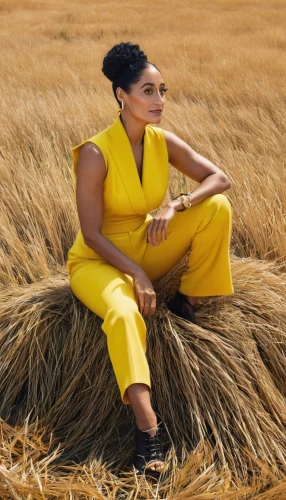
146, 96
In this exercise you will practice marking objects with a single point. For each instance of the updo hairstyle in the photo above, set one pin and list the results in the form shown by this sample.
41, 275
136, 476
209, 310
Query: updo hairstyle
123, 65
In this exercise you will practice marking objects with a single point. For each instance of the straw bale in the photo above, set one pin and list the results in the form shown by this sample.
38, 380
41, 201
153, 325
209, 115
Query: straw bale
221, 382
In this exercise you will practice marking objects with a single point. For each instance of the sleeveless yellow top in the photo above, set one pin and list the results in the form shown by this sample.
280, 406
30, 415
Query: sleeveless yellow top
126, 202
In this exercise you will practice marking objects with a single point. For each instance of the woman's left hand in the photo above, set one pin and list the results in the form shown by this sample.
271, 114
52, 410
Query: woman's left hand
158, 227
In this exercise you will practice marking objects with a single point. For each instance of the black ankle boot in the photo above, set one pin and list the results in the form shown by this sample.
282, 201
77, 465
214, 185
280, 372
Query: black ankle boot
148, 450
180, 306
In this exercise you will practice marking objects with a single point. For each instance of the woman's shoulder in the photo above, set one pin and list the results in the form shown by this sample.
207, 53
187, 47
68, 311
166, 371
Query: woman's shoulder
170, 138
93, 146
175, 144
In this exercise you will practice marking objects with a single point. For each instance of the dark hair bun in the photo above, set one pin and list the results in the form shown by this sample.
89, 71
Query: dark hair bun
120, 57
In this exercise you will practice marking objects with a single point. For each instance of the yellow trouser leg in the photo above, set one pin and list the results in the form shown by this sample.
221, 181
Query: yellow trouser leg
209, 270
109, 293
206, 229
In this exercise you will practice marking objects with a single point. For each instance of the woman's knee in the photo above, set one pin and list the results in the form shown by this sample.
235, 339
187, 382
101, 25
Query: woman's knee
103, 289
123, 312
221, 204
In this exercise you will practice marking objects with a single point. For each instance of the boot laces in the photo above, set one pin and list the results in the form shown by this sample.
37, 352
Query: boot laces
153, 447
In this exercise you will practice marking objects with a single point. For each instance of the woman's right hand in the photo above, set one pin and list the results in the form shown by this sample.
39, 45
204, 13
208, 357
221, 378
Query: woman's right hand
145, 293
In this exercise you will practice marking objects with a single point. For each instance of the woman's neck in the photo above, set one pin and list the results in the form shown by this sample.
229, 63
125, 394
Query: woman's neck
134, 131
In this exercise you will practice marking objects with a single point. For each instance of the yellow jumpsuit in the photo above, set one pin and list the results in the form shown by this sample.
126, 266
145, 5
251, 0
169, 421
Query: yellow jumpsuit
108, 292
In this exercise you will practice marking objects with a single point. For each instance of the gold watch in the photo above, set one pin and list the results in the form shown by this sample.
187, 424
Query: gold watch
186, 200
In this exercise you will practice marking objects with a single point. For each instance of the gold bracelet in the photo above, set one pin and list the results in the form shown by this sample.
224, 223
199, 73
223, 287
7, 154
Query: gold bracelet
188, 199
185, 199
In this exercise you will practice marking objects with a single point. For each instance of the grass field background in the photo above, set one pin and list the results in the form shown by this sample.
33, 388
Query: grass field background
223, 62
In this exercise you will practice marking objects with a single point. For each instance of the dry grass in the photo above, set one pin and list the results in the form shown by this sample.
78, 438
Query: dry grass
224, 406
224, 64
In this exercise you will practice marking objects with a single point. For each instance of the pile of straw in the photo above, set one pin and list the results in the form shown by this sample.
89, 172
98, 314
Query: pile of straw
219, 386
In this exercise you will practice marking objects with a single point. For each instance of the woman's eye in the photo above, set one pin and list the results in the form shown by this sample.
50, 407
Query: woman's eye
162, 90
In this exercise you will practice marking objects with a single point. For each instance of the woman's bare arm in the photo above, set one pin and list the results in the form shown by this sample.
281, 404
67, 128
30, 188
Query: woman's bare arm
91, 172
211, 178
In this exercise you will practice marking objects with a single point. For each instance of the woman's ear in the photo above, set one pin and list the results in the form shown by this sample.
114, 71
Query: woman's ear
119, 93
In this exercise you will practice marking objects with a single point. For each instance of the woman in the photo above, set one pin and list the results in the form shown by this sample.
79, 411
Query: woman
122, 174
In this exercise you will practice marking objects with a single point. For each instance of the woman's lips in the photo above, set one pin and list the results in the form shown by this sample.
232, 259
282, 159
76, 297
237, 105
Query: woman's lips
159, 111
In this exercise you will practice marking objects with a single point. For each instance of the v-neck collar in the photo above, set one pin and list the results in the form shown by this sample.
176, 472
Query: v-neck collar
143, 152
124, 158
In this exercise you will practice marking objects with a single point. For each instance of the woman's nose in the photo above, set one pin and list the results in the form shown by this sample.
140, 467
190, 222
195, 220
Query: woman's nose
159, 99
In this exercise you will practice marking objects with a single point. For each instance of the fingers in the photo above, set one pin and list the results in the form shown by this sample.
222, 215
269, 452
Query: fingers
152, 305
160, 233
166, 230
147, 303
144, 305
148, 231
149, 307
145, 294
156, 231
140, 299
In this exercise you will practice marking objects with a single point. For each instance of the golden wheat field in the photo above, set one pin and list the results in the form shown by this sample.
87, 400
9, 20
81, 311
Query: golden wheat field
219, 385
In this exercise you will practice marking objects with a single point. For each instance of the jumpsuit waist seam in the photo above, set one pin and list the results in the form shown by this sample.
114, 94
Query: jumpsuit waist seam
117, 227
